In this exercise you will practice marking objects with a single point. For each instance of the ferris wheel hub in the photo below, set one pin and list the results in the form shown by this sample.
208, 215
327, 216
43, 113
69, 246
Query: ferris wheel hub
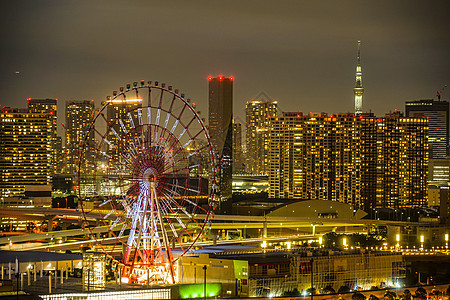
150, 176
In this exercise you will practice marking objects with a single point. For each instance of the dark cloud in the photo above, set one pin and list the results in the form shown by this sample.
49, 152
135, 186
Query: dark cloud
301, 53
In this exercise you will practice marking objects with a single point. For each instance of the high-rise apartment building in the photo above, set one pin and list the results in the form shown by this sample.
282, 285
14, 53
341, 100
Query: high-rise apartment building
79, 116
437, 114
48, 106
221, 130
361, 160
259, 115
26, 150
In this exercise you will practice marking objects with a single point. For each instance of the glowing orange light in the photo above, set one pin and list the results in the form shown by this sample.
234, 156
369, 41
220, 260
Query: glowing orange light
231, 78
209, 78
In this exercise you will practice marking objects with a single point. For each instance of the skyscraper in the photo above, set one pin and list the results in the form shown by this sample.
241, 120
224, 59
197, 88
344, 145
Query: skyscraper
361, 160
259, 115
221, 130
358, 90
48, 106
238, 161
437, 114
116, 110
79, 115
26, 150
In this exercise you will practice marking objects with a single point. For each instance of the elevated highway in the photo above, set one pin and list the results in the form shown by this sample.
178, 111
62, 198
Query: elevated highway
216, 222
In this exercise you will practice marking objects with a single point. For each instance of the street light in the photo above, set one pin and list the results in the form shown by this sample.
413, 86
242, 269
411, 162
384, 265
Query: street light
422, 239
446, 241
397, 238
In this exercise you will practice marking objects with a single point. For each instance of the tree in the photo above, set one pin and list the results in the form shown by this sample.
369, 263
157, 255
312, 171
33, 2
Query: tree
389, 295
373, 297
407, 295
329, 290
358, 296
311, 291
344, 289
421, 293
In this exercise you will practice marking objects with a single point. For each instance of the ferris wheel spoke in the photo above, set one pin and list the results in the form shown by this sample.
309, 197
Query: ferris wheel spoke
176, 171
130, 119
122, 126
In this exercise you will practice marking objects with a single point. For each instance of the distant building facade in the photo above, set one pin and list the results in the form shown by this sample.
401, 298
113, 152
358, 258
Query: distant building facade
275, 274
437, 114
221, 130
362, 160
79, 114
48, 106
259, 115
26, 156
116, 110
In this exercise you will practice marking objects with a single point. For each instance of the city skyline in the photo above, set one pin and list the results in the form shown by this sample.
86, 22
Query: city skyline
299, 53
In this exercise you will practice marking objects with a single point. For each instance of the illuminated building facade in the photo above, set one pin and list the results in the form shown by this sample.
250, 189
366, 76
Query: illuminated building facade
115, 110
358, 90
437, 114
26, 150
48, 106
221, 130
238, 154
361, 160
402, 148
78, 119
258, 122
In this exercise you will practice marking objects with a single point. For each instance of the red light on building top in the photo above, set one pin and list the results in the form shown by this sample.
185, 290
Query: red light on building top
209, 78
231, 78
28, 99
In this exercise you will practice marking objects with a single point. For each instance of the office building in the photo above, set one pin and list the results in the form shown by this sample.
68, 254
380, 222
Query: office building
259, 115
118, 109
79, 114
274, 274
48, 106
361, 160
26, 150
221, 131
437, 114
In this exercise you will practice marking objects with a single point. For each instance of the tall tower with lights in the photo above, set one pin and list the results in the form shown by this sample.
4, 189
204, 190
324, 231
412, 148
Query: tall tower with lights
358, 90
221, 131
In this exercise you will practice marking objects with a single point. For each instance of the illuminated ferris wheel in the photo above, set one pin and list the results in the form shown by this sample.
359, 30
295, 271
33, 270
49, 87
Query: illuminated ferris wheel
147, 165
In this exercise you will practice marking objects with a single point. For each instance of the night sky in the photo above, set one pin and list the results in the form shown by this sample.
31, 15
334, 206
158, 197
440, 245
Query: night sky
301, 53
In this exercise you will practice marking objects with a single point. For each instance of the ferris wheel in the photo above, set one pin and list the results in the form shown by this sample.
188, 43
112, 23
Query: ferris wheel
146, 174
